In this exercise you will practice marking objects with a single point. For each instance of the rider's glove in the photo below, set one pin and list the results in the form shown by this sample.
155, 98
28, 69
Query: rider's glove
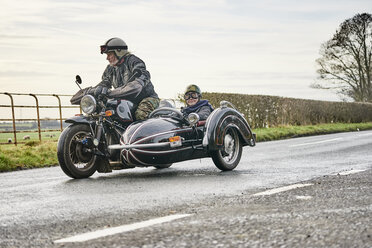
91, 91
105, 91
101, 92
98, 91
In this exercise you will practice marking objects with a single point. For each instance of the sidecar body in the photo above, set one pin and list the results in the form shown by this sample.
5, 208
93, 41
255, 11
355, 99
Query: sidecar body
167, 138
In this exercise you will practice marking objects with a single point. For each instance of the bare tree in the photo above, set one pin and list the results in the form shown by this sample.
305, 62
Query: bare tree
345, 62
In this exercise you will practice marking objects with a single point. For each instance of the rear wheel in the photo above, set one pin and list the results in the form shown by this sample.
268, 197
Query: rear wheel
229, 156
72, 153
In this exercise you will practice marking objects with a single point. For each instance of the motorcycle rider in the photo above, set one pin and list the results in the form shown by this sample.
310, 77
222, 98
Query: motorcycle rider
128, 75
194, 103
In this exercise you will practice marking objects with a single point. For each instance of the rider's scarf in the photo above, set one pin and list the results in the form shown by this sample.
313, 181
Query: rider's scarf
198, 105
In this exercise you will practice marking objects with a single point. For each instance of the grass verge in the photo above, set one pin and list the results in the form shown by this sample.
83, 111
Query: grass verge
35, 155
285, 132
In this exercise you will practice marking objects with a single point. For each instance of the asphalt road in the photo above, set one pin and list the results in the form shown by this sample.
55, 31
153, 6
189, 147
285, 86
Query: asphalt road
321, 197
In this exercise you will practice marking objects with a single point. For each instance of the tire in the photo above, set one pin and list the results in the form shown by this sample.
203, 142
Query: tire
72, 158
162, 166
227, 158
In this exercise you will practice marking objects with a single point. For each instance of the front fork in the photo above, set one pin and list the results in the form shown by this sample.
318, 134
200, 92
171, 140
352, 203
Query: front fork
97, 145
99, 134
92, 144
100, 141
101, 149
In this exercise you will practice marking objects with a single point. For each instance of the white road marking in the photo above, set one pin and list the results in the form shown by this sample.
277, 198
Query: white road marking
303, 197
316, 142
344, 173
120, 229
282, 189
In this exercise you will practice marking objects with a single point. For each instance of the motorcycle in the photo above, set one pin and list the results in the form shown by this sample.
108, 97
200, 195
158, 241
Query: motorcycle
107, 138
83, 146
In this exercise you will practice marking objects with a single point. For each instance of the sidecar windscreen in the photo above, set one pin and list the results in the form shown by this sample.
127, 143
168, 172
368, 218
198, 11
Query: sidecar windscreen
124, 110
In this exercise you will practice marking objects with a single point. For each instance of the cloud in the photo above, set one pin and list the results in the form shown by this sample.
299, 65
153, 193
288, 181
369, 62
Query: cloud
207, 42
15, 36
24, 74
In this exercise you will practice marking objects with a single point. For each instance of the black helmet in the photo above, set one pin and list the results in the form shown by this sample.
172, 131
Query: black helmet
116, 45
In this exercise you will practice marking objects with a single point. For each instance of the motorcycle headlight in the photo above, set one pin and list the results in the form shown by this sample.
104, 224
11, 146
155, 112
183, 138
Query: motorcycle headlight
88, 104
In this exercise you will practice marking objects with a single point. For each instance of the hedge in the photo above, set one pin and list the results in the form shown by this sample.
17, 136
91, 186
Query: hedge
273, 111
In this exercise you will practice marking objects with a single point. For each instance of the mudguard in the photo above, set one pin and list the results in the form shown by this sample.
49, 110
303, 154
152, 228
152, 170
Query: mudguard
219, 120
79, 119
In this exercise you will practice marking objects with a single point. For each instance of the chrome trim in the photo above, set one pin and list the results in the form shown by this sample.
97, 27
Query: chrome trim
128, 147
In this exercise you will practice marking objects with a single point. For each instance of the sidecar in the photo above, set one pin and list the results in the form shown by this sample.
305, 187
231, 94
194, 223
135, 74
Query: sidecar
167, 137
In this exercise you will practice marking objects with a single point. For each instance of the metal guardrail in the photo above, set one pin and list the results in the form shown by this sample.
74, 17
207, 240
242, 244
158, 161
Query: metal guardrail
38, 119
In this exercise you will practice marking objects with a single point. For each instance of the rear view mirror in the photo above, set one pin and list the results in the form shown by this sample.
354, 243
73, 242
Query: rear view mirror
78, 81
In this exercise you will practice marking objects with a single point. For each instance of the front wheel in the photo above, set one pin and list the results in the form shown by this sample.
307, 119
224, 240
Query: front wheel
228, 157
72, 153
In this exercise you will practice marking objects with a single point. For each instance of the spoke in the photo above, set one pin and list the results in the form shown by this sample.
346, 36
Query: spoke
74, 145
230, 147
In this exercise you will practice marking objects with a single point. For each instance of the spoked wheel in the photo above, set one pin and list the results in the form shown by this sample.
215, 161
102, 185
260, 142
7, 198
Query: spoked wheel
229, 156
73, 157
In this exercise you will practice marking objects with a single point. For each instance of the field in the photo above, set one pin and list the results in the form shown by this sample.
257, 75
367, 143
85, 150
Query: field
34, 135
30, 129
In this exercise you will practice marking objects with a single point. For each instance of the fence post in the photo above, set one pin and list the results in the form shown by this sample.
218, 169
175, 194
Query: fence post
38, 115
60, 110
13, 118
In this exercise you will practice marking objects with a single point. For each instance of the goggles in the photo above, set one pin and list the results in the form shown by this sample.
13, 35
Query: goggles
105, 48
190, 95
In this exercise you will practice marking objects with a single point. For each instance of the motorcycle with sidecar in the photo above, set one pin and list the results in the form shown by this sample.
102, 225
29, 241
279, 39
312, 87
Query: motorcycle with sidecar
106, 138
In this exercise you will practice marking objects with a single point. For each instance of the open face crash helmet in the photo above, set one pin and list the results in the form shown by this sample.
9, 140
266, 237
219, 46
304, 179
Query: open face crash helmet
192, 91
116, 45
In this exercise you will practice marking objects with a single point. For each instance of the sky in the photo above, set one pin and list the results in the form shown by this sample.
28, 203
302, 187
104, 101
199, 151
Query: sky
250, 47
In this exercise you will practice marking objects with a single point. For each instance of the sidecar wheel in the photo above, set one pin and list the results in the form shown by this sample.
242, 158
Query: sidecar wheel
228, 157
73, 159
162, 166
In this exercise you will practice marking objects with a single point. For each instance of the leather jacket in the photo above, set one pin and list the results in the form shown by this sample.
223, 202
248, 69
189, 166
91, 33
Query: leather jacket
129, 78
